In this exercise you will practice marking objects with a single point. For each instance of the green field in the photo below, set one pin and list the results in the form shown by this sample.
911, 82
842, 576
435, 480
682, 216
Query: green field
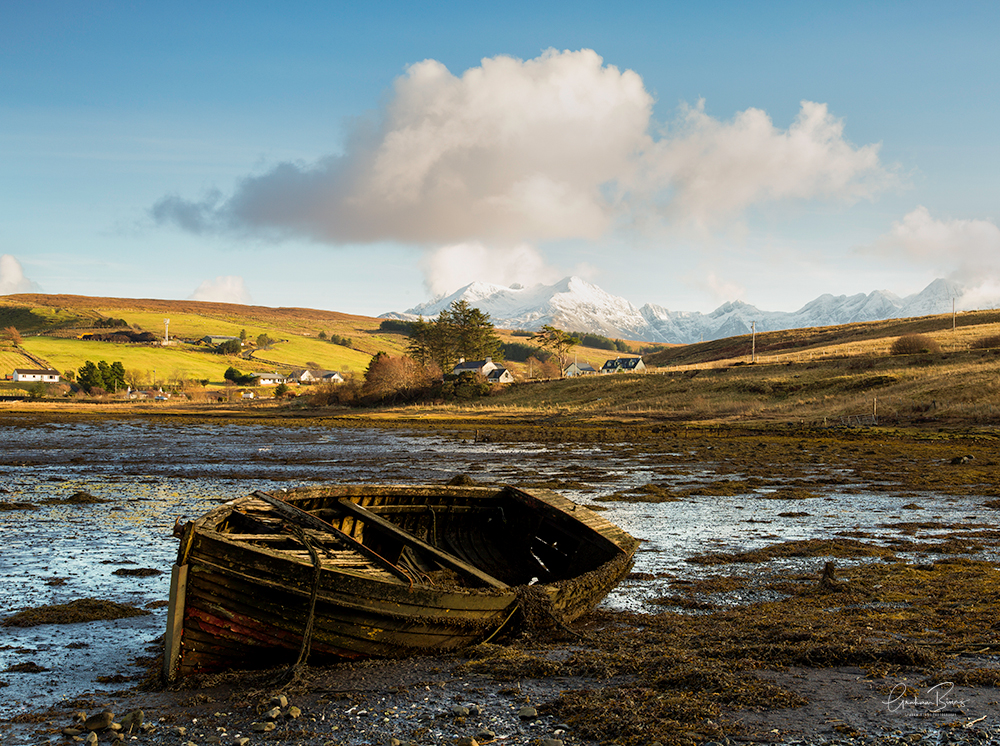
146, 365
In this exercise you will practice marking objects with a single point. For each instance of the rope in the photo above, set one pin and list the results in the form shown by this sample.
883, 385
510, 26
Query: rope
307, 633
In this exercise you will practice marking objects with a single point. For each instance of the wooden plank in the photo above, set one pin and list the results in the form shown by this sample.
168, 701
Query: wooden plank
450, 561
175, 621
307, 519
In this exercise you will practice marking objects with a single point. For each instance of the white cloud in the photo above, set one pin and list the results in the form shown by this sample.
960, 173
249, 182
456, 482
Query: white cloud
967, 251
12, 278
517, 151
223, 289
715, 170
451, 267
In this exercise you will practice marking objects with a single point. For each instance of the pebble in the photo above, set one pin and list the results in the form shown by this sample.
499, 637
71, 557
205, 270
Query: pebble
264, 727
527, 713
100, 721
132, 721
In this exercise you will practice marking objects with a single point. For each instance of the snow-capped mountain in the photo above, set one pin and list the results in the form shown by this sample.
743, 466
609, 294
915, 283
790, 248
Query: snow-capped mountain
577, 305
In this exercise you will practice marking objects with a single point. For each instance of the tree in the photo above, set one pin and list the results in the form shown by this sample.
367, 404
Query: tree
394, 378
117, 381
243, 335
264, 341
229, 347
460, 331
557, 340
11, 333
240, 379
474, 335
89, 377
322, 335
280, 390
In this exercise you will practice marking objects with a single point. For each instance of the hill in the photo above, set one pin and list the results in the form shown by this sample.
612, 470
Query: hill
841, 375
51, 327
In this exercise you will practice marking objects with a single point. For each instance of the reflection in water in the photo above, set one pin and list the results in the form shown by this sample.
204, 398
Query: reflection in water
152, 473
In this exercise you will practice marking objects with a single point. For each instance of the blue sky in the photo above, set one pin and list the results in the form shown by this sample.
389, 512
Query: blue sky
364, 157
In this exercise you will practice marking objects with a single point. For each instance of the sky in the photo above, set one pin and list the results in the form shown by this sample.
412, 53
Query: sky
367, 157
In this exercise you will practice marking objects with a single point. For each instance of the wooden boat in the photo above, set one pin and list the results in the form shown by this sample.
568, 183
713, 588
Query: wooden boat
354, 571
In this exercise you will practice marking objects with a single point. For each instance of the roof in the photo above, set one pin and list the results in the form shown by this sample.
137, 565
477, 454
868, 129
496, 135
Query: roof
37, 371
473, 364
622, 363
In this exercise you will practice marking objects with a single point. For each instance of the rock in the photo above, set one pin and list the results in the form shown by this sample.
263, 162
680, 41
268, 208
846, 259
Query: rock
132, 721
242, 741
466, 741
100, 721
459, 711
180, 730
79, 716
293, 713
485, 735
527, 713
474, 710
279, 700
273, 714
549, 742
264, 727
91, 739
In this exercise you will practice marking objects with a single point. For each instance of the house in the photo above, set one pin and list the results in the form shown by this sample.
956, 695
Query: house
303, 375
27, 375
624, 365
493, 372
217, 339
247, 395
271, 379
579, 369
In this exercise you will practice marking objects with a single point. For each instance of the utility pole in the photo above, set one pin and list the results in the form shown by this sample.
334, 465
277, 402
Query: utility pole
166, 331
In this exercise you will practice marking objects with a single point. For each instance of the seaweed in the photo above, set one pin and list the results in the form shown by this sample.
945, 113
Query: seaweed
81, 610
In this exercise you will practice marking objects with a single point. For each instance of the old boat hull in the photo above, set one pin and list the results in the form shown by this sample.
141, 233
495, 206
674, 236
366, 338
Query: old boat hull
387, 571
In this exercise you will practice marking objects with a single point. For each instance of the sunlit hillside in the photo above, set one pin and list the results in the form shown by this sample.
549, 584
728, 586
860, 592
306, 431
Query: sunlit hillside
51, 327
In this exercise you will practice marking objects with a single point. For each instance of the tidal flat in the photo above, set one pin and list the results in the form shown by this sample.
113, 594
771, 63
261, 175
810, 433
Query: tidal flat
737, 527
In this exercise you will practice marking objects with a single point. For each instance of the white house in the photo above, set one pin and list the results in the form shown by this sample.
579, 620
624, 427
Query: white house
494, 373
579, 369
624, 365
28, 375
272, 379
302, 375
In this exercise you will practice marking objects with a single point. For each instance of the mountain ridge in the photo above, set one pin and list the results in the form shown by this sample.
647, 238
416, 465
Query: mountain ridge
577, 305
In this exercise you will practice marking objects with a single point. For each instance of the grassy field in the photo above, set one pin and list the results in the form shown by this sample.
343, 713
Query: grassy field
831, 375
52, 324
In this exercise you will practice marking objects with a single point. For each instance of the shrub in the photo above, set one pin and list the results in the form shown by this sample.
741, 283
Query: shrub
986, 343
914, 344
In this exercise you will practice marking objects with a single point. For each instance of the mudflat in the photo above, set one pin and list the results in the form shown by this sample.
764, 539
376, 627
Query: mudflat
841, 584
